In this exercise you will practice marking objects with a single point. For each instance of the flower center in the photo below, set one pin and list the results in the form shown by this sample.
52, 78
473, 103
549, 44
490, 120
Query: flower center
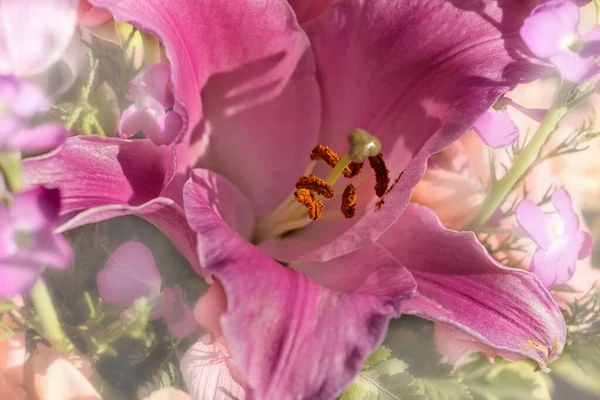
23, 239
557, 228
572, 43
306, 205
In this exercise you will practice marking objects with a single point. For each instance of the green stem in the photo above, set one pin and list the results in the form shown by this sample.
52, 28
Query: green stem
597, 4
503, 187
53, 332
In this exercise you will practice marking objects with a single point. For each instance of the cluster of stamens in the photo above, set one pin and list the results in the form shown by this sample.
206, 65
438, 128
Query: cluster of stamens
362, 146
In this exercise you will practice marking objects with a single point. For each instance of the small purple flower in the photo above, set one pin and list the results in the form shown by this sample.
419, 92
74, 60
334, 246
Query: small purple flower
152, 113
560, 242
131, 273
496, 128
27, 240
551, 32
20, 101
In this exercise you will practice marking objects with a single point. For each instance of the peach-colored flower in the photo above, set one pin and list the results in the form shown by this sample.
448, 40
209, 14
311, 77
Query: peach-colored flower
12, 358
54, 377
207, 366
168, 394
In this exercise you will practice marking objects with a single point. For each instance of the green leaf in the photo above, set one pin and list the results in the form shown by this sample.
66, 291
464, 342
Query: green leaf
446, 388
381, 354
509, 380
386, 380
579, 365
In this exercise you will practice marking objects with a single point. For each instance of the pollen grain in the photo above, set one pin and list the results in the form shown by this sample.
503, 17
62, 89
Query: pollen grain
314, 206
316, 185
349, 201
382, 175
353, 169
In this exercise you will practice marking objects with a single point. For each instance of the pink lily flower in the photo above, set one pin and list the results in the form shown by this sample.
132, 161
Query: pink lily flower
559, 240
35, 34
20, 101
551, 32
257, 91
131, 273
27, 240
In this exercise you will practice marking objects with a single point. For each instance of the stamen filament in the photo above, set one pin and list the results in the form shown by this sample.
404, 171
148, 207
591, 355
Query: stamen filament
335, 174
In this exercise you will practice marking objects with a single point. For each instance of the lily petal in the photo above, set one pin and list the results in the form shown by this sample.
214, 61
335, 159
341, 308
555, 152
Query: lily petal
111, 178
129, 273
289, 335
271, 143
504, 308
416, 86
203, 38
309, 9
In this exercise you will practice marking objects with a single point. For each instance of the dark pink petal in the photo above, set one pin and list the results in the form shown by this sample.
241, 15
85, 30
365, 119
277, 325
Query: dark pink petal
591, 43
112, 178
16, 278
35, 209
287, 334
205, 38
535, 222
177, 315
129, 273
573, 67
39, 138
308, 9
561, 200
206, 368
227, 201
270, 143
34, 34
549, 25
417, 96
91, 171
496, 128
505, 308
455, 346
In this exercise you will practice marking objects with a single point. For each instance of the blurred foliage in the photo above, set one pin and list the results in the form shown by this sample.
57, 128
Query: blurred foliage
128, 352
